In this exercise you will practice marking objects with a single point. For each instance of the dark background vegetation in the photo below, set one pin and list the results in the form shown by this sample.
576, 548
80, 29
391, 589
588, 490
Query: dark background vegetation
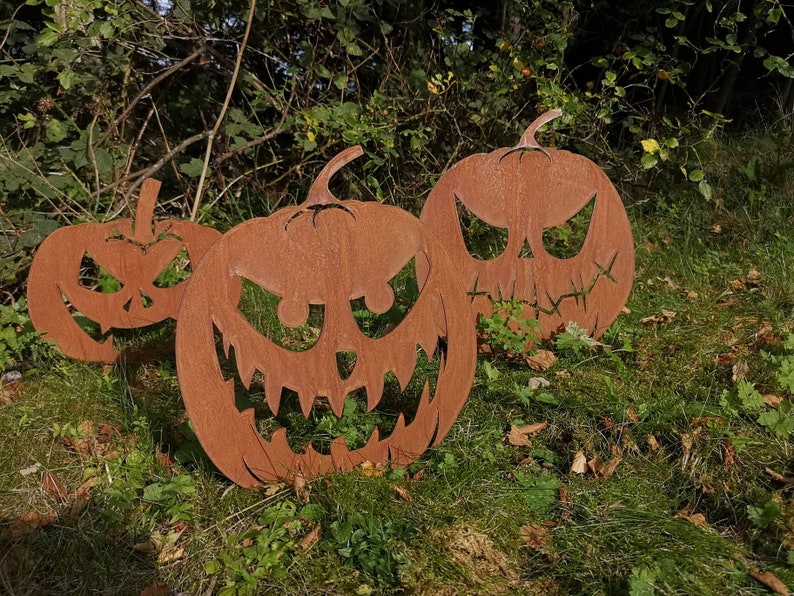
95, 96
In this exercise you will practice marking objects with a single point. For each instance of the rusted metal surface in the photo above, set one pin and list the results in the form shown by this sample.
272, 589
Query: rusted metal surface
134, 252
325, 252
526, 189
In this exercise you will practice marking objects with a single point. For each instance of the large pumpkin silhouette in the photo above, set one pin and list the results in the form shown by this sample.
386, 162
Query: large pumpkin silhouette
527, 189
134, 252
325, 252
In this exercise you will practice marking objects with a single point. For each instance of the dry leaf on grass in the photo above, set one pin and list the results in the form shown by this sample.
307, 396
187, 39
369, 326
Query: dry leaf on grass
608, 468
299, 486
772, 400
778, 476
536, 383
696, 518
631, 414
665, 317
652, 443
52, 486
29, 523
516, 439
566, 503
403, 493
532, 429
156, 589
541, 360
370, 469
771, 581
535, 536
740, 370
311, 538
579, 465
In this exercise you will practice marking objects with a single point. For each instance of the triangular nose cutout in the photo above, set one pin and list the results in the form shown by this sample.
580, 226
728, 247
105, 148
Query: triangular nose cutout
345, 363
526, 250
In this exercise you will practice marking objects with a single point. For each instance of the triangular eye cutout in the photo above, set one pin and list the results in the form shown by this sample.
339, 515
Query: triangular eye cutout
93, 277
177, 271
566, 241
483, 241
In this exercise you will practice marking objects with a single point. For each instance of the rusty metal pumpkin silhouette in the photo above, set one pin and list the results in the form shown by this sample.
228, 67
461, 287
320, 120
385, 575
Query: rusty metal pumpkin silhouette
134, 252
325, 252
527, 189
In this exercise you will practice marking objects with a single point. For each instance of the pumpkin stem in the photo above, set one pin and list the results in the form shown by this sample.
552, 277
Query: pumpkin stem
142, 231
528, 138
319, 193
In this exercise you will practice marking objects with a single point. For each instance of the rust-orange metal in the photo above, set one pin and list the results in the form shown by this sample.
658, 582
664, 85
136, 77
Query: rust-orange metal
325, 252
135, 252
526, 189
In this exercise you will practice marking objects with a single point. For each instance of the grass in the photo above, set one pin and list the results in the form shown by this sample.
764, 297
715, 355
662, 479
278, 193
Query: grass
103, 488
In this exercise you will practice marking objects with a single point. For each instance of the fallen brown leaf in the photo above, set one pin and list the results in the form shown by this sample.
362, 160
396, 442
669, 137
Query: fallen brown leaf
532, 429
403, 493
535, 536
753, 277
778, 476
517, 439
608, 468
536, 383
737, 284
566, 503
691, 295
728, 454
370, 469
82, 496
579, 465
740, 370
594, 465
772, 400
150, 546
771, 581
311, 538
171, 553
156, 589
51, 485
652, 443
696, 518
299, 486
725, 358
29, 523
631, 413
541, 360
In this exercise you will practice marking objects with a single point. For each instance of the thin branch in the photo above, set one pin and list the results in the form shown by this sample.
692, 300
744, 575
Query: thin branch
254, 142
141, 175
222, 115
145, 91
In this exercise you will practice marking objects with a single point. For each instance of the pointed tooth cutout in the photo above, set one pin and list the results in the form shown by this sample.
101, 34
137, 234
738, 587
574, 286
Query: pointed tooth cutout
374, 389
406, 365
273, 390
246, 365
306, 401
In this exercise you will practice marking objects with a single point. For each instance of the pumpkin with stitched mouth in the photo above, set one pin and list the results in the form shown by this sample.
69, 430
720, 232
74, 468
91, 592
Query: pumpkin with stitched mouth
527, 190
330, 253
134, 253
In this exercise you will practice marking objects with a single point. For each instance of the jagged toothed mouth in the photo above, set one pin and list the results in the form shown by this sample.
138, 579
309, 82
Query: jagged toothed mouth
370, 407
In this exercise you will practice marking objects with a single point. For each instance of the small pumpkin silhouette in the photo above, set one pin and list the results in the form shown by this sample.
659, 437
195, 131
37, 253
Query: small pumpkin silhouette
134, 252
326, 252
526, 190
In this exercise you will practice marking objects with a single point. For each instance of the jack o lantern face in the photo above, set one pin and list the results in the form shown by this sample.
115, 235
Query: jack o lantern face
132, 255
527, 194
335, 259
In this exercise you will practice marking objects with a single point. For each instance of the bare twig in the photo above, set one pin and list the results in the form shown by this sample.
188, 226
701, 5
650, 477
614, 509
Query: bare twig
221, 116
145, 91
141, 175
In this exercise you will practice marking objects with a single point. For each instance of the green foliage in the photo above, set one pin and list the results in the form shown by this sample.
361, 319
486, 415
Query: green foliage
370, 545
540, 491
18, 340
763, 515
574, 340
507, 331
259, 553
